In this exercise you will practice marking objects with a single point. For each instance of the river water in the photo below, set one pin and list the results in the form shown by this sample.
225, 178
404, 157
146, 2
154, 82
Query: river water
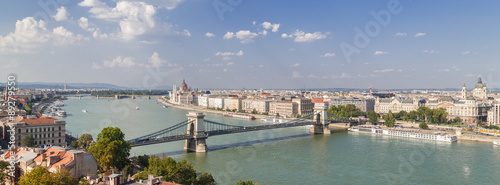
292, 155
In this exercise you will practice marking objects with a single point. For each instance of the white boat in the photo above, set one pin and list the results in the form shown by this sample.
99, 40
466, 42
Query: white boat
85, 111
243, 116
496, 143
408, 133
274, 120
136, 108
164, 106
61, 113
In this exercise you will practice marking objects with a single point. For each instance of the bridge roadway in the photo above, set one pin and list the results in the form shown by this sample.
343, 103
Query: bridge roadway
295, 123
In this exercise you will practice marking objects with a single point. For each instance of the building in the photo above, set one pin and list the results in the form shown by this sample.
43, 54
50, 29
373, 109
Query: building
469, 110
236, 104
261, 106
78, 163
304, 105
227, 103
283, 108
365, 105
494, 114
45, 129
203, 100
216, 102
480, 92
182, 95
396, 105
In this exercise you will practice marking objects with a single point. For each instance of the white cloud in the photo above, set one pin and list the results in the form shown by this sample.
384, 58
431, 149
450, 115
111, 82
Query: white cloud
295, 74
400, 70
206, 60
134, 18
155, 60
62, 36
466, 53
167, 4
245, 36
400, 34
120, 62
263, 32
268, 25
230, 63
429, 51
208, 34
30, 34
292, 49
381, 53
225, 69
226, 58
328, 55
454, 68
345, 75
296, 65
383, 70
420, 34
301, 36
185, 33
83, 23
239, 53
96, 66
61, 14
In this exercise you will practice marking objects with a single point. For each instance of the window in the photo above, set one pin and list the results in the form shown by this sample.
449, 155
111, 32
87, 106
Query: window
26, 130
59, 128
31, 130
36, 143
19, 130
43, 142
59, 140
52, 141
59, 134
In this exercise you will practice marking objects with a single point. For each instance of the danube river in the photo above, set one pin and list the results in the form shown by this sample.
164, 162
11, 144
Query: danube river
292, 155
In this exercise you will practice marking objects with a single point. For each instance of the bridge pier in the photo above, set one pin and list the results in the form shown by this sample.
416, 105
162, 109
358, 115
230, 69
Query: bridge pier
321, 126
197, 130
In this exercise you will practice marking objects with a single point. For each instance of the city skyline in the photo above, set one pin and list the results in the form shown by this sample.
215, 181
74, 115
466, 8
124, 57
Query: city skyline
252, 44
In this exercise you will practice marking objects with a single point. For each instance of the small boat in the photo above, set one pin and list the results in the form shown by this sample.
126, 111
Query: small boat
136, 108
496, 143
61, 113
164, 106
85, 111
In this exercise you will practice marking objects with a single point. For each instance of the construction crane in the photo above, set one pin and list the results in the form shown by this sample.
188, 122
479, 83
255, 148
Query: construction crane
371, 88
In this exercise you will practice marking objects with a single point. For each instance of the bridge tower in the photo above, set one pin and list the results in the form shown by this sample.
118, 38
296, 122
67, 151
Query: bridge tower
196, 129
321, 126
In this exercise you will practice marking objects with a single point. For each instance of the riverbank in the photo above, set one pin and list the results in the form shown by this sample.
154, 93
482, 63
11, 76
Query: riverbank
201, 109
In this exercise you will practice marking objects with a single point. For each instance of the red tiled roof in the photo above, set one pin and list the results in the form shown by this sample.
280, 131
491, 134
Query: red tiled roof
41, 119
317, 101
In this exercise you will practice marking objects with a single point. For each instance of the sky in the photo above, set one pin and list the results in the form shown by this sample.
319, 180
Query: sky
253, 44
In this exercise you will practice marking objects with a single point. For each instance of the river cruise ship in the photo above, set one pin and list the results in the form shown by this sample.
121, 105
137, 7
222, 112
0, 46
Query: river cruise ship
408, 133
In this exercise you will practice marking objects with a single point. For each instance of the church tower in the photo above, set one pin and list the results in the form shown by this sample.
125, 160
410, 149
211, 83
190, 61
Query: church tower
464, 92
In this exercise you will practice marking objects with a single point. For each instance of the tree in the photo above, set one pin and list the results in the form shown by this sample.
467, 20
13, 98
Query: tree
205, 179
111, 150
74, 144
127, 170
85, 140
390, 121
254, 111
40, 175
373, 117
401, 115
4, 176
413, 115
246, 183
479, 122
423, 126
28, 141
456, 119
180, 172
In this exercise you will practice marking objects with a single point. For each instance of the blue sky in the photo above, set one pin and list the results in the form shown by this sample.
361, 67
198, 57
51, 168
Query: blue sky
252, 44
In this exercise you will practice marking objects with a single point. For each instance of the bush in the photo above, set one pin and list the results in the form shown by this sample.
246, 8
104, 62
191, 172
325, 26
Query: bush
423, 126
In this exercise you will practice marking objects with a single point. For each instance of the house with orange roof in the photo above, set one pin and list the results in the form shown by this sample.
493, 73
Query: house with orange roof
78, 163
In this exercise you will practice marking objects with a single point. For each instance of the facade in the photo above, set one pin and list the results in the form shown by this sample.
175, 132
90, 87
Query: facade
396, 105
227, 103
216, 102
365, 105
494, 114
469, 110
182, 95
77, 163
283, 108
46, 130
203, 100
261, 106
305, 106
236, 104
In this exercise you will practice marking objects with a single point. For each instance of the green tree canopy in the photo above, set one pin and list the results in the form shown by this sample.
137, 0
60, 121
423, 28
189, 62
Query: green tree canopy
40, 175
390, 121
249, 182
85, 140
373, 117
4, 176
456, 119
346, 112
27, 141
423, 126
111, 150
180, 172
205, 179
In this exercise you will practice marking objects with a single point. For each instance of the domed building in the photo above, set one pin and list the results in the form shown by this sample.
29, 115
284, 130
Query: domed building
182, 95
480, 91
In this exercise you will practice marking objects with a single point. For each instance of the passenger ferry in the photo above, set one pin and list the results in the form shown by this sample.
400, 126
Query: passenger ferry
243, 116
408, 133
85, 111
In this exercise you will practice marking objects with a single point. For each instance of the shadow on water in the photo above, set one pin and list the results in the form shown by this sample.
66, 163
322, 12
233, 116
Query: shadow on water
232, 145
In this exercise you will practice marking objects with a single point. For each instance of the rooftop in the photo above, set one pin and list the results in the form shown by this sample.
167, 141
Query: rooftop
40, 119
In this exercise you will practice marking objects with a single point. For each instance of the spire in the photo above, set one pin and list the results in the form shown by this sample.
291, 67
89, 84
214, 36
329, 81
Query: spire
464, 84
479, 80
183, 81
